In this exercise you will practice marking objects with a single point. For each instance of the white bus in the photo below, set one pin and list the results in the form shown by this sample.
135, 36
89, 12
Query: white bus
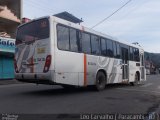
51, 50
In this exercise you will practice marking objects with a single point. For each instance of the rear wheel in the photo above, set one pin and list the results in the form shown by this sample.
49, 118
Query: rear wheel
100, 81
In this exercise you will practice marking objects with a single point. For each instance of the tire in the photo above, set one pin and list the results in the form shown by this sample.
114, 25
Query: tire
136, 80
100, 81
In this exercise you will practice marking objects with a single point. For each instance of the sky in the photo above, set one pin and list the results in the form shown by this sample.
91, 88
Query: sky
139, 21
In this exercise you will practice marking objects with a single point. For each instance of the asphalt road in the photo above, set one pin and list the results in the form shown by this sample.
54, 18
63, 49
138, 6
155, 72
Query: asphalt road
43, 99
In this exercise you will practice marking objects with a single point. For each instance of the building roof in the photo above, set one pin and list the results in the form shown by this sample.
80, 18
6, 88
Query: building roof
69, 17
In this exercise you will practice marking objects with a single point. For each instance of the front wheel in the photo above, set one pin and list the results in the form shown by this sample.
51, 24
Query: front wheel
100, 81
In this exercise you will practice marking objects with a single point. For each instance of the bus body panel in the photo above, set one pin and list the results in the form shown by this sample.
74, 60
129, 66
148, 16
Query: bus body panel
92, 67
112, 67
116, 72
31, 58
33, 50
133, 68
68, 65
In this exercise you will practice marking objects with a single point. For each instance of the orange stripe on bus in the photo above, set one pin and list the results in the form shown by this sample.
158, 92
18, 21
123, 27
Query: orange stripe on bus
85, 70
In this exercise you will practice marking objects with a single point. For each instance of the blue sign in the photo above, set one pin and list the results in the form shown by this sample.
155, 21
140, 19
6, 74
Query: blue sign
7, 45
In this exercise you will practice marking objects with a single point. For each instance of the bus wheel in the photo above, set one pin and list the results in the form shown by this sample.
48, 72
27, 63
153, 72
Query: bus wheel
136, 80
100, 81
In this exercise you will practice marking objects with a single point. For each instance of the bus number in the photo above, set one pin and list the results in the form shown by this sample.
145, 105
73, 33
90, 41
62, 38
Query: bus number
39, 59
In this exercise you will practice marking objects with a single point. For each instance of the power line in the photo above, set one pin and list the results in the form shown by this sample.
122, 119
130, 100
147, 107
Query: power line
111, 14
42, 6
44, 10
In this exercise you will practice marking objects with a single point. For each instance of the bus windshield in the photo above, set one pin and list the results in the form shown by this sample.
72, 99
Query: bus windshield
36, 30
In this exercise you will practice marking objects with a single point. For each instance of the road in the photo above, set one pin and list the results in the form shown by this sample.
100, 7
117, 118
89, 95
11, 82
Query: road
43, 99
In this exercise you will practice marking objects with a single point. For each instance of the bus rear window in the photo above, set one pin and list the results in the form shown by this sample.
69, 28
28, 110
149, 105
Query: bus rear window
36, 30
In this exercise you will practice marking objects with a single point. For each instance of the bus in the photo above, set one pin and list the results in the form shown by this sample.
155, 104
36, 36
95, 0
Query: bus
54, 51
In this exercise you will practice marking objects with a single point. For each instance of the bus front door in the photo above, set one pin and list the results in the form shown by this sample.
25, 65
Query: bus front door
125, 72
142, 66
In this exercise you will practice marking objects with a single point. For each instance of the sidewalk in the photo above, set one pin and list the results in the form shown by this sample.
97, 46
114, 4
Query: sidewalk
11, 81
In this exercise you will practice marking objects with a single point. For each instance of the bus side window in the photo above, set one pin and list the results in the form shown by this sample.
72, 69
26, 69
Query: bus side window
136, 55
118, 51
79, 41
131, 56
103, 47
142, 60
109, 48
86, 43
95, 45
63, 37
114, 49
73, 40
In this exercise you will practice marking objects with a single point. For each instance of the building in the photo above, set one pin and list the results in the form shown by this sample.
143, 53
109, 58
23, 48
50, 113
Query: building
150, 67
7, 50
10, 18
147, 66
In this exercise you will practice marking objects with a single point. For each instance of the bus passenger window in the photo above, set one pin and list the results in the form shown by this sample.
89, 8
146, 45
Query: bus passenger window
136, 55
73, 40
95, 45
103, 47
86, 43
131, 54
114, 49
118, 51
63, 37
109, 48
